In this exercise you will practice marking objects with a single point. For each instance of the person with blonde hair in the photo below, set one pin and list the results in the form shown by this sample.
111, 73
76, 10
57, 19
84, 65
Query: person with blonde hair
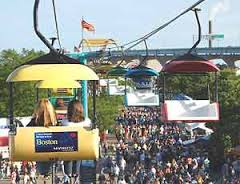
44, 114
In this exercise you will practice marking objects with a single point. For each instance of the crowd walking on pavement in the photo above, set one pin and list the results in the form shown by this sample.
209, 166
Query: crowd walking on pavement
145, 151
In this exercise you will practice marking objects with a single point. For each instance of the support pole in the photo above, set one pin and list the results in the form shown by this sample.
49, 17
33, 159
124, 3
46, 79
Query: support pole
125, 91
37, 95
84, 97
210, 33
164, 86
94, 105
10, 113
216, 87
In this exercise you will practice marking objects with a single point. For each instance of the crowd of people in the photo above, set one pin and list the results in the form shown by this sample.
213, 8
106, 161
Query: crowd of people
18, 171
150, 152
231, 170
146, 151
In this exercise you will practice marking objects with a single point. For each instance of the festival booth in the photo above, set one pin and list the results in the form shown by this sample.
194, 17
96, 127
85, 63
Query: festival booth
220, 63
237, 64
204, 131
238, 73
4, 138
154, 64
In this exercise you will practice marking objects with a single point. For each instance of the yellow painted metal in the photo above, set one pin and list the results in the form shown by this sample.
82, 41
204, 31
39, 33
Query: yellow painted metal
62, 92
58, 84
61, 111
59, 72
22, 145
97, 42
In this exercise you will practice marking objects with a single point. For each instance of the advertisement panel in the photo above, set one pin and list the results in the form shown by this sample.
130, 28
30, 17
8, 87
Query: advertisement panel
56, 141
143, 83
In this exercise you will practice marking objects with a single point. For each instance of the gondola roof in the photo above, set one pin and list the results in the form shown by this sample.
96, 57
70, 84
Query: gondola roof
189, 63
141, 71
117, 71
52, 58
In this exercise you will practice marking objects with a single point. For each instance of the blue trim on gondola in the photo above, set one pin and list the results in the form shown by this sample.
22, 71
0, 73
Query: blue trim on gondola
118, 71
141, 72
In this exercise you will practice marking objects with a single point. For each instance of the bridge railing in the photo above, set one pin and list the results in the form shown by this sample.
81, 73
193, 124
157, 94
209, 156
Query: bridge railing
180, 51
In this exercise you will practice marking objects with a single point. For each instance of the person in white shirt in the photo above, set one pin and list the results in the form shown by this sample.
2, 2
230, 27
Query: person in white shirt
116, 170
75, 117
122, 164
122, 181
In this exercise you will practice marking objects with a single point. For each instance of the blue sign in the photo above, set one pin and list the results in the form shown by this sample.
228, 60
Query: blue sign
143, 83
56, 142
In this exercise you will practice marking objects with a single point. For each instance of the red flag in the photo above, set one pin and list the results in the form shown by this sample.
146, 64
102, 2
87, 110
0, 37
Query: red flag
76, 49
87, 26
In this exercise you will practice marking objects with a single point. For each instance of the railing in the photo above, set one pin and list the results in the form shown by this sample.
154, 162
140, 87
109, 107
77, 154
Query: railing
221, 51
181, 51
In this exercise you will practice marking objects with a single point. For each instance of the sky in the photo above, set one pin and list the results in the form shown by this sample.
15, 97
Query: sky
121, 20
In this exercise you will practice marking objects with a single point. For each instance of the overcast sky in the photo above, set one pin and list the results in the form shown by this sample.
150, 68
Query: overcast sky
121, 20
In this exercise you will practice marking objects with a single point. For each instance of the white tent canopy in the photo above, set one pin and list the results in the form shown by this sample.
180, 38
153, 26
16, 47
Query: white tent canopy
238, 73
218, 61
191, 126
154, 64
237, 63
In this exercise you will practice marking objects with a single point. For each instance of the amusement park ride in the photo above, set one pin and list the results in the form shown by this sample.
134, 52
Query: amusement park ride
57, 71
52, 70
190, 110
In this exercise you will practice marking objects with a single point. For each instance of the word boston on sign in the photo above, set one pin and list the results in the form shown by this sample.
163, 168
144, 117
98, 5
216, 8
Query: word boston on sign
56, 141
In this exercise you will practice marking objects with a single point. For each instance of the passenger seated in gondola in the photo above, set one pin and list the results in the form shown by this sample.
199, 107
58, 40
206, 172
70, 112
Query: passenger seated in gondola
60, 104
75, 117
43, 116
61, 110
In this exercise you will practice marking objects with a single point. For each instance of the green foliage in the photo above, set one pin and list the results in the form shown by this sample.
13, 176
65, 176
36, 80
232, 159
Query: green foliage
195, 86
24, 93
227, 142
107, 108
227, 130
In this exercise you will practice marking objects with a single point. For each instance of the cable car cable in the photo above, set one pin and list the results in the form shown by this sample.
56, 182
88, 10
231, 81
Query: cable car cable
56, 24
37, 31
146, 56
199, 30
166, 24
148, 35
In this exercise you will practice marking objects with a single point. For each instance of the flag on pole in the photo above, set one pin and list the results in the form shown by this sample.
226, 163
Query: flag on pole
76, 49
87, 26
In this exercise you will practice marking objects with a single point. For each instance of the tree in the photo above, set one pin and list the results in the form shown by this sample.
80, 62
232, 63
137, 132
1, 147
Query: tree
107, 108
227, 130
24, 93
